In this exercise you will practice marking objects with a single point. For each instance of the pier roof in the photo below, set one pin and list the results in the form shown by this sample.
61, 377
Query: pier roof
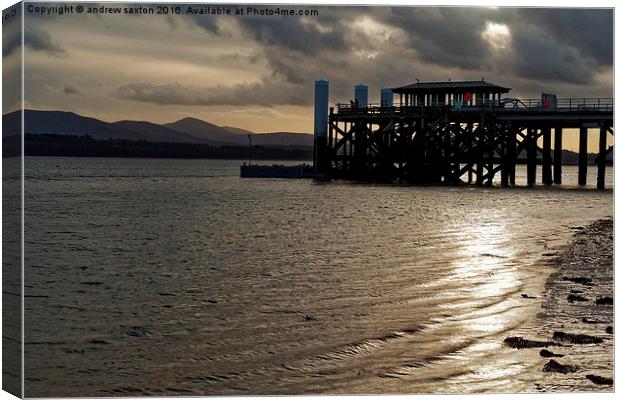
451, 87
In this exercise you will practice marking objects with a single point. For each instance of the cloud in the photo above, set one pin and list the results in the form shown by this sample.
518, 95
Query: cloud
392, 46
271, 61
448, 36
34, 38
588, 31
537, 56
256, 93
11, 41
293, 34
40, 40
577, 41
70, 89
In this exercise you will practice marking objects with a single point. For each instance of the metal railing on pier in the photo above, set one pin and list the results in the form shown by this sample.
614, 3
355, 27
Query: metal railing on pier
503, 105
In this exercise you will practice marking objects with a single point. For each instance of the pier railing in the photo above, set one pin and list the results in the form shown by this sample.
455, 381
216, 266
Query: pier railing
503, 105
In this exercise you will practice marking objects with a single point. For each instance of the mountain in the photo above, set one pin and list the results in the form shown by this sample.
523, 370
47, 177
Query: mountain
206, 131
275, 138
231, 134
187, 130
157, 133
238, 130
64, 123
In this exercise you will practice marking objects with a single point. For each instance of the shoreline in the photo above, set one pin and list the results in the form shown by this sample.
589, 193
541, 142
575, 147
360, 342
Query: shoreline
574, 329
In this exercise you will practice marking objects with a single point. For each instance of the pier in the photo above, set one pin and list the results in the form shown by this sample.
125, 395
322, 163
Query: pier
453, 133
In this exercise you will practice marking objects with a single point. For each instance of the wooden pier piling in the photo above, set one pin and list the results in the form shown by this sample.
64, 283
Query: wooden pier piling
546, 156
557, 156
602, 153
531, 156
583, 155
512, 155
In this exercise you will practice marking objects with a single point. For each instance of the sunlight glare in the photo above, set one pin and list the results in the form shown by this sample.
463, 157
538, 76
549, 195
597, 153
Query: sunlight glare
497, 35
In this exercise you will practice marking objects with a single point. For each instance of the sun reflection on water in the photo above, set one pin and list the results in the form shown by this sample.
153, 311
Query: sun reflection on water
490, 282
486, 258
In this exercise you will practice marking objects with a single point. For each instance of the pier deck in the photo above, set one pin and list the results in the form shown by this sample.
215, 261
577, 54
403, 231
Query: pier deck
454, 143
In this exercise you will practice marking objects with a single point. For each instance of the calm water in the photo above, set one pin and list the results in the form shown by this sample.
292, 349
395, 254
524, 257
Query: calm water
177, 277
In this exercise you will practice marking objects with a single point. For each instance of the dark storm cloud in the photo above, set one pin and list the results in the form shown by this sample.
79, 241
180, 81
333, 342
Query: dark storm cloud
287, 32
238, 95
564, 45
538, 57
452, 37
589, 31
294, 35
563, 48
444, 36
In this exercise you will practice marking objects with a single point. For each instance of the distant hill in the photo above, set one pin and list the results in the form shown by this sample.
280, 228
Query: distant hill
206, 131
199, 128
65, 123
186, 130
157, 133
238, 130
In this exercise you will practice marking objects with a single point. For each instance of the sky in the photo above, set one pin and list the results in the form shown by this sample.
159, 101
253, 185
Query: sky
257, 72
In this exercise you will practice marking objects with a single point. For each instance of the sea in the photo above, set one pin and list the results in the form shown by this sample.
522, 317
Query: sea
177, 277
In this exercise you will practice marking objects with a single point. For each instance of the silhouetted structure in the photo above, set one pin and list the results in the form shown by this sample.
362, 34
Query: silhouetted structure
451, 132
450, 93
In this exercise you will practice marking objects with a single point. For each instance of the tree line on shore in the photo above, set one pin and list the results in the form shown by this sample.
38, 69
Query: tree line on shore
56, 145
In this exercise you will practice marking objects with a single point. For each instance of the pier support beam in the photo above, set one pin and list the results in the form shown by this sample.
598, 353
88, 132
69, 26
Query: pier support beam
508, 156
320, 159
557, 156
602, 153
513, 154
489, 160
546, 156
505, 171
531, 156
481, 150
583, 155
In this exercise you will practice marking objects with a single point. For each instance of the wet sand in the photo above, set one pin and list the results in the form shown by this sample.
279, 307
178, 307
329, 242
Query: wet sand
575, 335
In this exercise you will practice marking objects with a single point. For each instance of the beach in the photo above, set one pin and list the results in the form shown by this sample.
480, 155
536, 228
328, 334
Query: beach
574, 346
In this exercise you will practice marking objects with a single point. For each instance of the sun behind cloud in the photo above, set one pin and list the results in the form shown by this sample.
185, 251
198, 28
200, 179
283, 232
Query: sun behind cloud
497, 35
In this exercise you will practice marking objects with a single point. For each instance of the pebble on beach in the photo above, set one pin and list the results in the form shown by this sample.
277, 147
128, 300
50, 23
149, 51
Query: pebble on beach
554, 366
603, 301
578, 279
547, 353
517, 342
600, 380
575, 338
575, 297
